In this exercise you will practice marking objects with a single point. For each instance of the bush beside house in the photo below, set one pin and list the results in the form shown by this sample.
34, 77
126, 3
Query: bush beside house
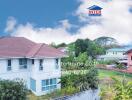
12, 90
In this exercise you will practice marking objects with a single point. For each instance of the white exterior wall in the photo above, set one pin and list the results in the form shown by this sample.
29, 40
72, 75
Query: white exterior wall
15, 72
110, 55
119, 53
49, 71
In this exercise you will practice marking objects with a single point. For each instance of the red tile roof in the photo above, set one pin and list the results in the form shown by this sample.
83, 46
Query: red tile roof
22, 47
129, 51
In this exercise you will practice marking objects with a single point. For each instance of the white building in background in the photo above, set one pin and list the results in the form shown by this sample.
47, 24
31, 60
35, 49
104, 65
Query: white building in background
115, 54
38, 64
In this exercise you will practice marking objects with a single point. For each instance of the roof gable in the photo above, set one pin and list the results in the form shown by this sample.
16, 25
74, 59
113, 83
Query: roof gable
15, 46
95, 7
22, 47
129, 51
47, 51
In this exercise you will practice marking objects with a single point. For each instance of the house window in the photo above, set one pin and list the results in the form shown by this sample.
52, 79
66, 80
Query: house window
33, 84
23, 63
32, 61
41, 64
9, 65
56, 63
49, 84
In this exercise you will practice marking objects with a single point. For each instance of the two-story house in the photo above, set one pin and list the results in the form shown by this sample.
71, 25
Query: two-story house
36, 63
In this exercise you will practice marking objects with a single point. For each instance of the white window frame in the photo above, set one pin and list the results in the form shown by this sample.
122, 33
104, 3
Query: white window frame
41, 64
49, 86
56, 63
9, 66
23, 64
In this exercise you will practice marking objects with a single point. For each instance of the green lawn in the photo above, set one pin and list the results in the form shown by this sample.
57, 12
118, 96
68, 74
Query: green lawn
109, 73
102, 73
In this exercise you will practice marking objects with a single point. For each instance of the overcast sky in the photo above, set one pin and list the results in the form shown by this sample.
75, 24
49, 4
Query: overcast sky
66, 20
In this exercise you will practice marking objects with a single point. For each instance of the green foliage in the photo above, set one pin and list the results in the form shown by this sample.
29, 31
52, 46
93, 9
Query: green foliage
86, 81
106, 42
59, 93
120, 66
107, 93
68, 80
92, 48
119, 89
81, 46
71, 49
61, 45
12, 90
78, 63
123, 89
82, 57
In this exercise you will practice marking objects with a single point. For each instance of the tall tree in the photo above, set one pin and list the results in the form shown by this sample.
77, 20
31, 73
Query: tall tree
92, 48
107, 42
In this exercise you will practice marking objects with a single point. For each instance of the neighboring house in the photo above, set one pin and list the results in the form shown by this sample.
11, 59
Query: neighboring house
36, 63
115, 54
129, 54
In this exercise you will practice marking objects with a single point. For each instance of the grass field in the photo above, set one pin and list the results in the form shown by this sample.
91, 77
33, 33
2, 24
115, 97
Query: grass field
109, 73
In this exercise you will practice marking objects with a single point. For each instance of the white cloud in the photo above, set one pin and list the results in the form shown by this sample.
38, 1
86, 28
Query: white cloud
10, 25
65, 24
58, 34
116, 21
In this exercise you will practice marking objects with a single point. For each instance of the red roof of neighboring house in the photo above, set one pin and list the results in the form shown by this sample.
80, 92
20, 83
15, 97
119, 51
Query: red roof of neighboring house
129, 51
22, 47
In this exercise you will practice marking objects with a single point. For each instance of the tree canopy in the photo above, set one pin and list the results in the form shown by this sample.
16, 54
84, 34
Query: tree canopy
91, 47
107, 42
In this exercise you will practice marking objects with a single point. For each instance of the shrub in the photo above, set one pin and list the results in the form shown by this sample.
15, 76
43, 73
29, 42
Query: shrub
123, 89
88, 80
83, 82
107, 93
120, 66
12, 90
119, 90
68, 80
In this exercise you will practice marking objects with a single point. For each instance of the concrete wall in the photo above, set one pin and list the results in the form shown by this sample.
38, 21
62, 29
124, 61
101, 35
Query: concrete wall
85, 95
